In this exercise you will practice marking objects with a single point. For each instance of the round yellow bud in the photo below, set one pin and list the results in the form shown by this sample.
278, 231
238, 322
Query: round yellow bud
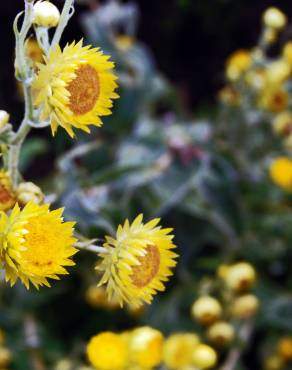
4, 118
221, 333
274, 362
274, 18
178, 350
107, 351
145, 346
5, 357
204, 357
29, 192
240, 276
285, 348
278, 71
245, 307
281, 173
206, 310
45, 14
237, 64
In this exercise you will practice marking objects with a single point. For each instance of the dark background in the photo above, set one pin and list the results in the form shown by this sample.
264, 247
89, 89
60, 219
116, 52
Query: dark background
189, 38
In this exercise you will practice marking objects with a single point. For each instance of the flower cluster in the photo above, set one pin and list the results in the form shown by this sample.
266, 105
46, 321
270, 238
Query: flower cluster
146, 348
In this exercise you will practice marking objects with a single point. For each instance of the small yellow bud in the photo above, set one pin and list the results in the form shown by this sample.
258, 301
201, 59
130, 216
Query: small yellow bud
28, 192
5, 357
285, 348
274, 362
274, 18
204, 357
240, 276
221, 333
4, 118
45, 14
287, 52
245, 307
278, 71
206, 310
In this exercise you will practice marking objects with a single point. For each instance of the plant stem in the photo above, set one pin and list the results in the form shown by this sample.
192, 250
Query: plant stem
65, 16
90, 247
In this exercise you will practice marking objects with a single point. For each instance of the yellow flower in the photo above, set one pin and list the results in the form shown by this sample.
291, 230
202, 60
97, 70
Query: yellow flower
240, 276
178, 350
228, 95
237, 64
282, 123
35, 244
278, 71
281, 173
108, 351
274, 98
7, 196
285, 348
204, 357
221, 333
138, 261
206, 310
245, 307
145, 347
75, 87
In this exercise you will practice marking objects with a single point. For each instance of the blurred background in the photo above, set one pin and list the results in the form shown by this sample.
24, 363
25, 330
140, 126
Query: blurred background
169, 150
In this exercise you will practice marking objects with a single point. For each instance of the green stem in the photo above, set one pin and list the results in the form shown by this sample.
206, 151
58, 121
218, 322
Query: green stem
65, 16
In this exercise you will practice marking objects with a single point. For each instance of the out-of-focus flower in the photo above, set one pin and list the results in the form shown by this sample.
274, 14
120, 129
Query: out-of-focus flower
228, 95
287, 52
45, 14
96, 297
35, 244
256, 78
274, 98
178, 350
278, 71
7, 196
221, 333
29, 192
285, 348
5, 357
281, 173
274, 18
4, 118
282, 123
124, 42
75, 87
204, 357
240, 276
206, 310
33, 51
245, 307
270, 35
108, 351
274, 362
145, 347
238, 63
137, 262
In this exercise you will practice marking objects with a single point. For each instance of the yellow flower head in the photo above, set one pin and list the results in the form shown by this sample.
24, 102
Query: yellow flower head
278, 71
7, 196
75, 87
108, 351
237, 64
35, 244
274, 99
137, 262
178, 350
274, 18
145, 347
281, 173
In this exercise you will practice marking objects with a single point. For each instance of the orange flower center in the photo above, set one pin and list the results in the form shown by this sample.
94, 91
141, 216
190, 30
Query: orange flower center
84, 90
149, 266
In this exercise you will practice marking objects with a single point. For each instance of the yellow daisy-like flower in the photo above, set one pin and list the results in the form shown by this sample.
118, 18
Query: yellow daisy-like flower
35, 244
7, 196
108, 351
281, 173
75, 87
138, 261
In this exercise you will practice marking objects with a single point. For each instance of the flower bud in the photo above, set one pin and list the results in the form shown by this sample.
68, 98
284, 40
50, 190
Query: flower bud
5, 357
206, 310
285, 348
204, 357
221, 333
4, 118
45, 14
29, 192
245, 307
240, 276
274, 18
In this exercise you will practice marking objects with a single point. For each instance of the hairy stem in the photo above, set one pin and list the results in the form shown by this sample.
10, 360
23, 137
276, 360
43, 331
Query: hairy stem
65, 16
90, 247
